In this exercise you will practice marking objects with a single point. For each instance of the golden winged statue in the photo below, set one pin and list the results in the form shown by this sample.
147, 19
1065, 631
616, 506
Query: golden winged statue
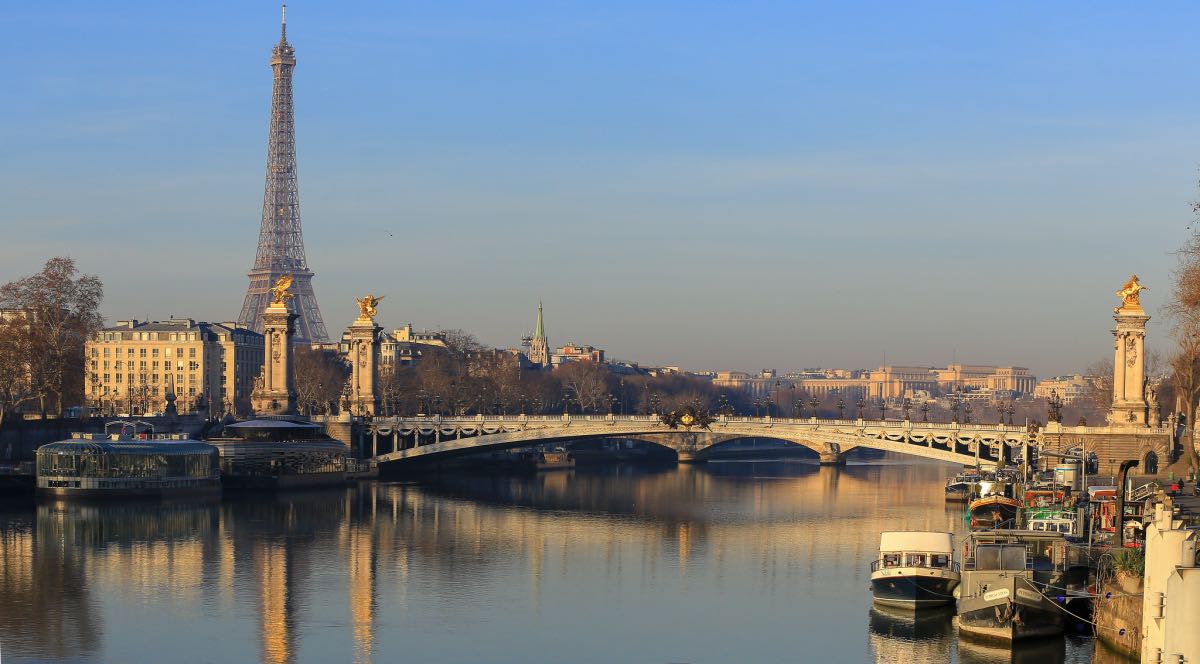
1131, 293
279, 292
367, 304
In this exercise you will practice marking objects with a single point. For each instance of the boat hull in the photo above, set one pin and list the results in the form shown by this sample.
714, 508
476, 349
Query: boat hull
913, 588
1010, 609
993, 512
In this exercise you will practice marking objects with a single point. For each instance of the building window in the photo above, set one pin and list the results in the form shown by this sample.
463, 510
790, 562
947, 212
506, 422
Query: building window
167, 352
141, 352
167, 365
106, 378
153, 352
106, 352
191, 352
118, 378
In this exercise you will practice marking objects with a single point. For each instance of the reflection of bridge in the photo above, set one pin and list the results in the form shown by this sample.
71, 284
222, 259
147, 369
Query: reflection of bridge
396, 440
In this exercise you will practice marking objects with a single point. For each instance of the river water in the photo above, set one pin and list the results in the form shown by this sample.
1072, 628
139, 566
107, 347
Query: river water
727, 562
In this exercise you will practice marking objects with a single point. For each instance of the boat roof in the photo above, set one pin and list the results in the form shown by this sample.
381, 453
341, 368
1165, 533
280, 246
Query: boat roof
916, 540
1012, 535
274, 424
116, 445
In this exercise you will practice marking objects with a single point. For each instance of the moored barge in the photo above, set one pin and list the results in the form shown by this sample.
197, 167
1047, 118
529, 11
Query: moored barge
915, 569
114, 466
282, 453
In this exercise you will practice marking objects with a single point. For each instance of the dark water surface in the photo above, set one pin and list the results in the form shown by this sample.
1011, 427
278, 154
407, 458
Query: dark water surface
729, 562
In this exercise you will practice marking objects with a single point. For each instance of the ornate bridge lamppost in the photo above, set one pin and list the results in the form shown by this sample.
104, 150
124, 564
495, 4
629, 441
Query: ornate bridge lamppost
905, 406
724, 408
1008, 410
862, 404
882, 409
966, 412
1054, 406
814, 402
798, 408
841, 408
954, 406
654, 402
925, 411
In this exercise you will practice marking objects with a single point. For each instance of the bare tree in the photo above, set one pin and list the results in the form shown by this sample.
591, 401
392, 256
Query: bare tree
588, 382
16, 379
63, 312
320, 376
1184, 310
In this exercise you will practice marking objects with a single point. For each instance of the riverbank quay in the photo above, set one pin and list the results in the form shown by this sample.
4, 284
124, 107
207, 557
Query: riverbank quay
1147, 603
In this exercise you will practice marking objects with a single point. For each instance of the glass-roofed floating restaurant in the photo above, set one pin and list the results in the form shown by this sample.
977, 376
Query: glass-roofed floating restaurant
132, 462
279, 453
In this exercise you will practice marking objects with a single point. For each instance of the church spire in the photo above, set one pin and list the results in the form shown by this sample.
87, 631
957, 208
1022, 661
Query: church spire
539, 332
539, 347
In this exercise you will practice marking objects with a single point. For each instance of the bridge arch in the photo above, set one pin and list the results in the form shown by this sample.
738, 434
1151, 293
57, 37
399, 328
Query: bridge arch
429, 438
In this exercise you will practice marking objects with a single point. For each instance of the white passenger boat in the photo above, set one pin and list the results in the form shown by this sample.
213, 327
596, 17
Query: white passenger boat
915, 569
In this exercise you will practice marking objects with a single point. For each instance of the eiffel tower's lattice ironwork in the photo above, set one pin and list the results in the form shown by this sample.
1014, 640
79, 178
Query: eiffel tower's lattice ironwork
280, 240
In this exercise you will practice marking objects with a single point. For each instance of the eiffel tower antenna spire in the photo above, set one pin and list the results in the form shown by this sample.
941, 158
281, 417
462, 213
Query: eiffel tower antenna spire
280, 238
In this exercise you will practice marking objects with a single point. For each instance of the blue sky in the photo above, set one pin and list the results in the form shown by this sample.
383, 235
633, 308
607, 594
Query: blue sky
713, 185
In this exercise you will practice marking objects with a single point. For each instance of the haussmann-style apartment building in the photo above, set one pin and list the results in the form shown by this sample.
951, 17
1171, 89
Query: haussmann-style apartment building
210, 366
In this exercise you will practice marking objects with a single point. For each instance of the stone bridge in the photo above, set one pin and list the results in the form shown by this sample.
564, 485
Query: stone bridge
406, 440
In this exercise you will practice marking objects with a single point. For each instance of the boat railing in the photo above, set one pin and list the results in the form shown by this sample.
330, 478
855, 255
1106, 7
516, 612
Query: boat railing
885, 564
1145, 491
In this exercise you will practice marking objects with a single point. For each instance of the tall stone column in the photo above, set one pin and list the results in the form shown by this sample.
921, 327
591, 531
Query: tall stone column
364, 358
275, 391
1129, 406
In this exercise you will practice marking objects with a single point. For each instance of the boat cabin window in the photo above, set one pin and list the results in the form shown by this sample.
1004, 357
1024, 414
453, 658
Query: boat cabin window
1038, 525
891, 560
1000, 557
916, 560
939, 560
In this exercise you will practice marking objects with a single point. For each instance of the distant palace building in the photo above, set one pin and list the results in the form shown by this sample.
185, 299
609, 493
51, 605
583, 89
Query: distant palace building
887, 382
401, 347
210, 366
1069, 388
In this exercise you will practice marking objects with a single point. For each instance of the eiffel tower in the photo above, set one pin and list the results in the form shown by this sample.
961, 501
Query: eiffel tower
280, 240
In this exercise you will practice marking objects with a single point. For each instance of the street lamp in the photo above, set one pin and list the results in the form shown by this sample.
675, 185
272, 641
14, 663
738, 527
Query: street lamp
814, 402
841, 406
862, 403
906, 405
883, 409
925, 411
1054, 405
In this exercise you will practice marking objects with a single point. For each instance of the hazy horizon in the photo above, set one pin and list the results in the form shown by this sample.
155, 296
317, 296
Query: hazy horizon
715, 187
